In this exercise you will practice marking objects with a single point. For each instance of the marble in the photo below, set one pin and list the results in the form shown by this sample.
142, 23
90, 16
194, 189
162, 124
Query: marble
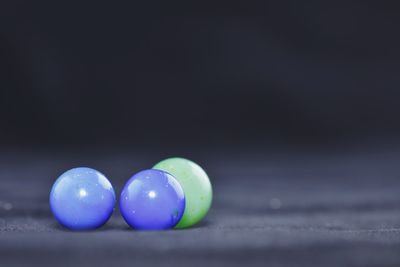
195, 184
152, 200
82, 199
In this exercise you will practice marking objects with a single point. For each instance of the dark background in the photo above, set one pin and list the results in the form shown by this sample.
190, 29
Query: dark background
292, 108
226, 73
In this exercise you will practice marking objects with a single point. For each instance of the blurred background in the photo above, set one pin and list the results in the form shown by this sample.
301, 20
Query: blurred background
195, 74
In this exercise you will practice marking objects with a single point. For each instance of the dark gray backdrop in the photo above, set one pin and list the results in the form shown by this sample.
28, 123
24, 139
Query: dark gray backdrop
208, 73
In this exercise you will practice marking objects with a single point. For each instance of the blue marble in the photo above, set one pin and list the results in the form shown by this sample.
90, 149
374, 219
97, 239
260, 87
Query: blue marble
82, 199
152, 200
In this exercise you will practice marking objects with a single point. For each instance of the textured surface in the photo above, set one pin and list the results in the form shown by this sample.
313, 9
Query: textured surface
275, 209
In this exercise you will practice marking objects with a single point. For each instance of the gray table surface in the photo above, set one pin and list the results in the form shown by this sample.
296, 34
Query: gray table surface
269, 209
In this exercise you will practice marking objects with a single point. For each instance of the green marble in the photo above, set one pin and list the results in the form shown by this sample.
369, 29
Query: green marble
195, 184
